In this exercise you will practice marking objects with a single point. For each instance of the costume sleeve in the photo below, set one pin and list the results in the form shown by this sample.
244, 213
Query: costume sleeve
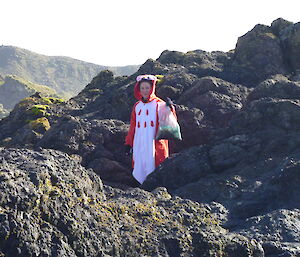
130, 134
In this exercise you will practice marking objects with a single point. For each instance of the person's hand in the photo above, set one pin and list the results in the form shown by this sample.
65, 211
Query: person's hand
169, 102
128, 150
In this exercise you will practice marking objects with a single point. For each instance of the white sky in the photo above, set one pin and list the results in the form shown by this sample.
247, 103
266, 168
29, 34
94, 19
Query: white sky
120, 32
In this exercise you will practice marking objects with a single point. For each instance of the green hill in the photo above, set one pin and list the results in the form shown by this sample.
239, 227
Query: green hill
14, 88
67, 76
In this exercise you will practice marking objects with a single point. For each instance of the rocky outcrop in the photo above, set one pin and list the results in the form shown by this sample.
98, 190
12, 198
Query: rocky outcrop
98, 142
258, 55
278, 86
253, 171
218, 99
198, 62
289, 36
29, 120
52, 206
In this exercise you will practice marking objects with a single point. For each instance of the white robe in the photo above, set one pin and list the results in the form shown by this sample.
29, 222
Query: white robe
144, 144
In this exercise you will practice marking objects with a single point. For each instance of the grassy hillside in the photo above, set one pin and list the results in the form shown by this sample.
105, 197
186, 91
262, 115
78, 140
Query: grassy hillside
65, 75
14, 88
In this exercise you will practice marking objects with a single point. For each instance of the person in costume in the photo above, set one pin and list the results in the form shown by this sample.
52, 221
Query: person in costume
147, 153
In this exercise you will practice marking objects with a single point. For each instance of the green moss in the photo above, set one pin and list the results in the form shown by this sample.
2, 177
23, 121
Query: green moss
26, 101
96, 90
28, 120
39, 109
40, 124
160, 79
53, 100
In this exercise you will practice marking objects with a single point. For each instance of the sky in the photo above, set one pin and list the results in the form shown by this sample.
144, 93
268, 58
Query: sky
120, 32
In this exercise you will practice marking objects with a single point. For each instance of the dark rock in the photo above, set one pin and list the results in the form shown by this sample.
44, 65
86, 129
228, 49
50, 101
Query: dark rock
279, 25
276, 87
29, 120
171, 57
249, 187
50, 205
267, 113
198, 62
290, 37
276, 231
218, 99
168, 174
174, 84
100, 81
225, 155
257, 56
195, 129
152, 66
99, 142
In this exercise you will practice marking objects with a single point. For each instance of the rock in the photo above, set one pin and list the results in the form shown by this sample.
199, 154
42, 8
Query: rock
198, 62
276, 87
257, 56
218, 99
175, 172
51, 205
267, 113
112, 171
174, 84
279, 225
248, 187
225, 155
151, 66
101, 80
171, 57
29, 120
275, 231
290, 37
99, 142
195, 129
279, 25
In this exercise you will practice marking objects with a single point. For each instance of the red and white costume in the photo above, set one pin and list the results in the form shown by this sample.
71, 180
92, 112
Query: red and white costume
148, 153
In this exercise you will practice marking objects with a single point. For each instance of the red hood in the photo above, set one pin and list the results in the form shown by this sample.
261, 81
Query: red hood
137, 92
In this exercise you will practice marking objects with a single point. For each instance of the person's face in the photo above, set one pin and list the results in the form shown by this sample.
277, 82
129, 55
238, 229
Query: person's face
145, 89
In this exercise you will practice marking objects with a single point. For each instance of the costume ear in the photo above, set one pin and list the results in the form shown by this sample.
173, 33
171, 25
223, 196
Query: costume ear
138, 78
146, 76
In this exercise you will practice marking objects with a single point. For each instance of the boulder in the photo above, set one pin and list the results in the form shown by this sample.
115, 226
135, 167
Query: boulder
258, 55
218, 99
290, 37
52, 206
276, 87
198, 62
251, 191
279, 25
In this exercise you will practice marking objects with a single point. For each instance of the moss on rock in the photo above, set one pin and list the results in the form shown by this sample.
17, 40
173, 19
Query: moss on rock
41, 124
39, 109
